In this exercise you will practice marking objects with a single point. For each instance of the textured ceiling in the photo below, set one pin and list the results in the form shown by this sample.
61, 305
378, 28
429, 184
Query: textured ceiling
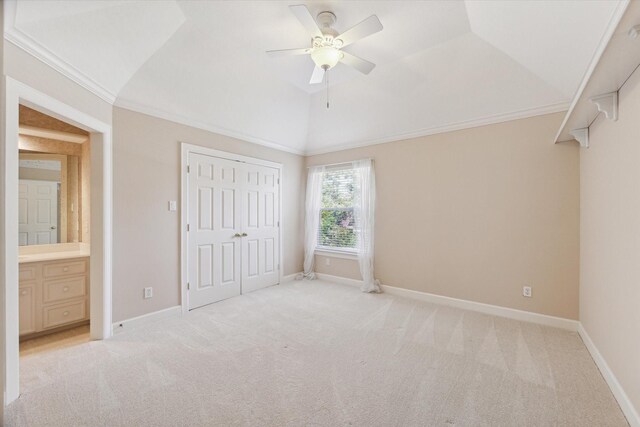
441, 65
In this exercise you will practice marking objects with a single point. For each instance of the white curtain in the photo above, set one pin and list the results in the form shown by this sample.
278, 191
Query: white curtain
364, 218
312, 219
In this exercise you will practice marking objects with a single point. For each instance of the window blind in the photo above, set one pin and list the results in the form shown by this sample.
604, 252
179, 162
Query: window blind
336, 227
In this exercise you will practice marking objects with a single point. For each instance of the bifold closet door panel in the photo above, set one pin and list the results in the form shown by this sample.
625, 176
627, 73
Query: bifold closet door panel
260, 225
214, 236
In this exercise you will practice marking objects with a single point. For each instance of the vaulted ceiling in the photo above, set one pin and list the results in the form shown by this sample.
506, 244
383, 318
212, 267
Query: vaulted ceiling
441, 65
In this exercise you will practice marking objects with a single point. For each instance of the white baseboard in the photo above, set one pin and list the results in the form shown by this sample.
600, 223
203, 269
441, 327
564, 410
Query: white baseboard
134, 322
495, 310
289, 277
338, 279
618, 392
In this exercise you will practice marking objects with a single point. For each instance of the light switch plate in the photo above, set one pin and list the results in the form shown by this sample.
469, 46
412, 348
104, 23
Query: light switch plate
173, 205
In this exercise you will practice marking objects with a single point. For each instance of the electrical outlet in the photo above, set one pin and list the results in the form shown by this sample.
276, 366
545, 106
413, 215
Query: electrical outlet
173, 205
526, 291
148, 293
327, 261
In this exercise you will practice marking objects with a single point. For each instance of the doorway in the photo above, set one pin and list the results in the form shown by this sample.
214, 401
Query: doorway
54, 188
231, 225
99, 266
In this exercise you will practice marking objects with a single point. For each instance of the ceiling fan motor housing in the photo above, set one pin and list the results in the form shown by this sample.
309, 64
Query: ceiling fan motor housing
326, 53
326, 19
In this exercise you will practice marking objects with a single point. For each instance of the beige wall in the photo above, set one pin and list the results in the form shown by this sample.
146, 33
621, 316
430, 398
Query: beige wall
146, 241
477, 214
610, 239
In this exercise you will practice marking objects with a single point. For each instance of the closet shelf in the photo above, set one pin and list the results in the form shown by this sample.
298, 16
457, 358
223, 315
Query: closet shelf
615, 60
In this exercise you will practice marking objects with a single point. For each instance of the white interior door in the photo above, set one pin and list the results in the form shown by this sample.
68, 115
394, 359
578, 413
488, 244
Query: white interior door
214, 236
260, 227
233, 223
37, 212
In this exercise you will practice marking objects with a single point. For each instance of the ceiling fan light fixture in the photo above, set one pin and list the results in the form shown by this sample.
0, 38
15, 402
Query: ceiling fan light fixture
326, 57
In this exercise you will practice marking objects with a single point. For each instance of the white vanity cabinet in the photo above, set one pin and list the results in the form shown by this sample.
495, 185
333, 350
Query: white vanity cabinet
53, 294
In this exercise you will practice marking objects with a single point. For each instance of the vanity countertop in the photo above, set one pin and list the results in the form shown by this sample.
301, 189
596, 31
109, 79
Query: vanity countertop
52, 252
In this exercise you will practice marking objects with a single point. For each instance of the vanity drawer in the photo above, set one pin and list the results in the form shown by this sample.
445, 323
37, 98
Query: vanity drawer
27, 272
66, 268
62, 289
61, 314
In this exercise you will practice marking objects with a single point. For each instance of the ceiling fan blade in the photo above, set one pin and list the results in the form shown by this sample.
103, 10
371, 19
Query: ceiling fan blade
287, 52
369, 26
306, 19
359, 64
317, 76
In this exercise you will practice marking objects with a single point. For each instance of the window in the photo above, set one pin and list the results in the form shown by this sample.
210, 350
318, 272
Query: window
336, 228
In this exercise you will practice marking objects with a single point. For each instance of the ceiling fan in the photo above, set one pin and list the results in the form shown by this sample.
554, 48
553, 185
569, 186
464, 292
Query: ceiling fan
326, 44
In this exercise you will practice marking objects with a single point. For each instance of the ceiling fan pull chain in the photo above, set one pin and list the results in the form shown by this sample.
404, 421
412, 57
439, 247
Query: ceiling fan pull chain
327, 82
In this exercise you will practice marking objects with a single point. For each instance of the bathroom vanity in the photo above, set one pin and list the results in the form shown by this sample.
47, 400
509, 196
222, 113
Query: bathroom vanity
53, 287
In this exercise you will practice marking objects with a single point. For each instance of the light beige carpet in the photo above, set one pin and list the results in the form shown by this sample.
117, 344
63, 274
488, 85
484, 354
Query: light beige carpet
315, 353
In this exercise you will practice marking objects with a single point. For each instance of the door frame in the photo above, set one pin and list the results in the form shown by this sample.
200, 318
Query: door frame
101, 220
186, 150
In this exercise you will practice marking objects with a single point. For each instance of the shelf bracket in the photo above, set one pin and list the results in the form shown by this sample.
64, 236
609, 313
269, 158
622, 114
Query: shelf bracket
607, 104
582, 136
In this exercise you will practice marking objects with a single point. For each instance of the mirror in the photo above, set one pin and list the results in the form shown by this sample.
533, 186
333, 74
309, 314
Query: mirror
48, 198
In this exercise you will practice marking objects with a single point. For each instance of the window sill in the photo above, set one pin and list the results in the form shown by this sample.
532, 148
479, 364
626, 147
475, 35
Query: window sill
336, 253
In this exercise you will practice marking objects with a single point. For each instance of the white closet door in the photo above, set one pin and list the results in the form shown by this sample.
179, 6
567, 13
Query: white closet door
214, 271
260, 226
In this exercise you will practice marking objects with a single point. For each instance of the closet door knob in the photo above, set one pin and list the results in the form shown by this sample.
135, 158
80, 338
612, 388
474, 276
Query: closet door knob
65, 289
244, 234
66, 313
23, 292
237, 235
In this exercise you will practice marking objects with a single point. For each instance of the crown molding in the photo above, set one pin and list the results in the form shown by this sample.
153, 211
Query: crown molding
25, 43
176, 118
35, 49
468, 124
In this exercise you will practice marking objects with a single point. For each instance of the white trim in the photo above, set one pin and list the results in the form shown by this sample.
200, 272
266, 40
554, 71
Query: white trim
483, 121
101, 220
52, 134
187, 149
289, 277
616, 17
494, 310
199, 149
582, 136
618, 392
339, 280
336, 253
134, 322
184, 219
186, 121
607, 104
35, 49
